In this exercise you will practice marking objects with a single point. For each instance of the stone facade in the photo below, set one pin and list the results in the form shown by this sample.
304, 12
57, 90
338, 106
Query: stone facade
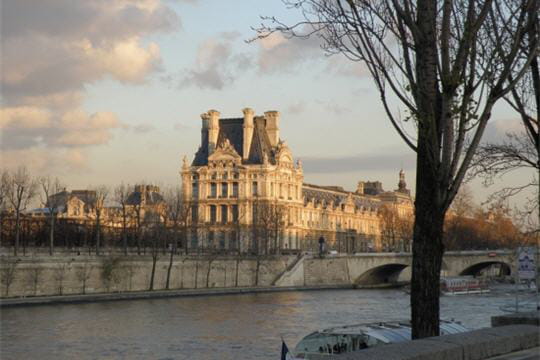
242, 163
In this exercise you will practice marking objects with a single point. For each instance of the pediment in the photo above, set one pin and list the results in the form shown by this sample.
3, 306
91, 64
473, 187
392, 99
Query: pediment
224, 155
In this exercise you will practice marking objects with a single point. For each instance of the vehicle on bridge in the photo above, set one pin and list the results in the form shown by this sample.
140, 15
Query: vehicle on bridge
351, 338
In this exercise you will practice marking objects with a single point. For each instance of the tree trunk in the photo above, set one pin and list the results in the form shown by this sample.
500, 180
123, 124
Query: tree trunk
257, 271
428, 247
51, 237
98, 234
17, 231
170, 267
152, 275
196, 272
124, 234
236, 272
429, 211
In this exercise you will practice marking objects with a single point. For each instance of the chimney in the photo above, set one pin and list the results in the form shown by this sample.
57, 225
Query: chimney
204, 129
360, 188
248, 131
212, 118
272, 126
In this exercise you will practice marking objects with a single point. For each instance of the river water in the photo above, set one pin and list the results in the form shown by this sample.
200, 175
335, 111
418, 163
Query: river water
245, 326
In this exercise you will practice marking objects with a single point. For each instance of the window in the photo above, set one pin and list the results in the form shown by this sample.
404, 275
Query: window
235, 189
254, 213
255, 188
211, 236
221, 238
195, 190
224, 214
225, 176
213, 190
272, 189
224, 190
213, 215
236, 176
194, 214
235, 213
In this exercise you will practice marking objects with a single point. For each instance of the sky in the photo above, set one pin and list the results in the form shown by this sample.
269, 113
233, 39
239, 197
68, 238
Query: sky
110, 91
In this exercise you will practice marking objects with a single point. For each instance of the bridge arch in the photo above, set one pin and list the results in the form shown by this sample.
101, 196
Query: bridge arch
383, 274
476, 268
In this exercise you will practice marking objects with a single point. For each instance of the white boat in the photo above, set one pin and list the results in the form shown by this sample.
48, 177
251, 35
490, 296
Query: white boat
351, 338
462, 285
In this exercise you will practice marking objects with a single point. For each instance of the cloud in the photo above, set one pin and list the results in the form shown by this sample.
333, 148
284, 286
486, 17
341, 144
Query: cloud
278, 53
216, 64
142, 128
296, 108
496, 130
51, 50
346, 164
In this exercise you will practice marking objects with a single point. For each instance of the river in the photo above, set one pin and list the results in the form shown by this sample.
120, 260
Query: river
245, 326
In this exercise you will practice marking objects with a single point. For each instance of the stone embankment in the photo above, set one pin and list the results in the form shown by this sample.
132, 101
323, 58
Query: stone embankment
42, 275
74, 275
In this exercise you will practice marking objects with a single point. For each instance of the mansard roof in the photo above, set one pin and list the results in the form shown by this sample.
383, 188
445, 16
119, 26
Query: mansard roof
152, 198
337, 195
232, 129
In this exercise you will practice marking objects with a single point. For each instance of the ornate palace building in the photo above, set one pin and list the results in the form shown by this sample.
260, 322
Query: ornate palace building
243, 177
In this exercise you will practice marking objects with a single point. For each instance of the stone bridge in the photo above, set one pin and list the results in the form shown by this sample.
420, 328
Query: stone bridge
386, 268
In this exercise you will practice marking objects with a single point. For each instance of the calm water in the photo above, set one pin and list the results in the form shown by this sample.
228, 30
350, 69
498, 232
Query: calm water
223, 327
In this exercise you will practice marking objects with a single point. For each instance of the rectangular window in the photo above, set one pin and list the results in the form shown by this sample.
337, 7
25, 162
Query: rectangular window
224, 214
272, 189
255, 188
194, 214
235, 213
213, 215
195, 190
213, 190
235, 189
211, 236
221, 237
224, 190
254, 213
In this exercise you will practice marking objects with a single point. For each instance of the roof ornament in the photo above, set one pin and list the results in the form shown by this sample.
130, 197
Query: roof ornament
299, 164
185, 163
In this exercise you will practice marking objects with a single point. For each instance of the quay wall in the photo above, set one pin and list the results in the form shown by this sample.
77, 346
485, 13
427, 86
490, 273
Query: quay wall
46, 276
64, 274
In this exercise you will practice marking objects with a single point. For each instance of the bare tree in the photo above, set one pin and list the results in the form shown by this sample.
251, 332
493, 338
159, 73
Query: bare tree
21, 191
59, 275
177, 217
7, 276
33, 277
121, 194
4, 188
519, 150
83, 273
438, 60
139, 221
396, 229
111, 273
52, 201
98, 207
157, 234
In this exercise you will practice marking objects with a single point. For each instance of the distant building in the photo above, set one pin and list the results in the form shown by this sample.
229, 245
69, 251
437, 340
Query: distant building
242, 163
144, 201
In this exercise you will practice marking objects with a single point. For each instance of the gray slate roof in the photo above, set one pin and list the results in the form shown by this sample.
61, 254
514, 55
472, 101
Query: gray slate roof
232, 129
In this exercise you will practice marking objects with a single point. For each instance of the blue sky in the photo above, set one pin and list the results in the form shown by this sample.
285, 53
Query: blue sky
108, 91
